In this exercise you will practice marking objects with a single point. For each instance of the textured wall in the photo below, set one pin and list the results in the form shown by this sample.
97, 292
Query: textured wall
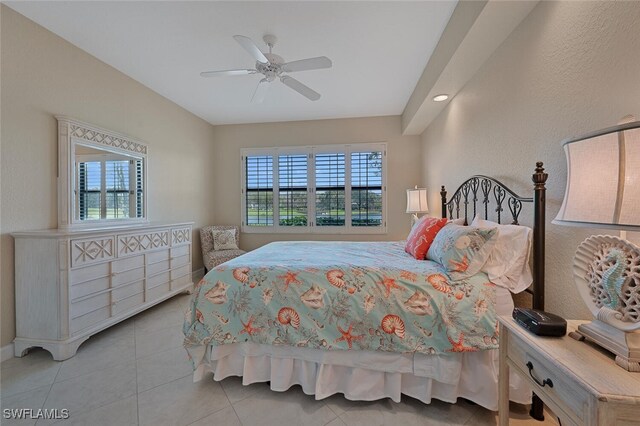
569, 68
43, 75
403, 167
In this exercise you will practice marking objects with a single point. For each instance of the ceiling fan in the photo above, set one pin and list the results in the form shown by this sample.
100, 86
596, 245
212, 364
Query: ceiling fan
272, 67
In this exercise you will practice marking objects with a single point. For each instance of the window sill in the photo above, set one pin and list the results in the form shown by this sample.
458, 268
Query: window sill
314, 230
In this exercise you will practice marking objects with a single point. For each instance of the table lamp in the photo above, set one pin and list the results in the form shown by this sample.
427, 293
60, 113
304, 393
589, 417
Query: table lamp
417, 203
603, 191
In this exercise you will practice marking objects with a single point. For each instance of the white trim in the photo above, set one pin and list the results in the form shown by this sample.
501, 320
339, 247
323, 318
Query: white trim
6, 352
311, 151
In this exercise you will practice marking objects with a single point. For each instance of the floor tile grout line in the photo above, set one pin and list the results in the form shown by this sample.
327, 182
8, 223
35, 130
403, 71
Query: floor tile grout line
216, 411
228, 399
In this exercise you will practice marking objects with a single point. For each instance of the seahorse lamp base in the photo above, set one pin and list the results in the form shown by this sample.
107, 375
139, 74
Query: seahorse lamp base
625, 345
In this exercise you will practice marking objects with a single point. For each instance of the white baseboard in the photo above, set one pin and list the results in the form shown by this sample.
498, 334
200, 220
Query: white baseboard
6, 352
197, 275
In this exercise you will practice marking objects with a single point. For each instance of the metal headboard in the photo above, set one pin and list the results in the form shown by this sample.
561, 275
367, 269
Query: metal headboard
492, 191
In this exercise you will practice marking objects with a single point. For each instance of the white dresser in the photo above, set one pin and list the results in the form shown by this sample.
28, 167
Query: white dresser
73, 284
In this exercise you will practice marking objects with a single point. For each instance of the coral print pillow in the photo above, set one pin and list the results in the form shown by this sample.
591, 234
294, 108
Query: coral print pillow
462, 250
422, 235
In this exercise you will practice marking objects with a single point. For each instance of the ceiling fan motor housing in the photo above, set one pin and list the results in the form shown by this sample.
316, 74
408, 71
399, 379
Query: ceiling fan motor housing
273, 69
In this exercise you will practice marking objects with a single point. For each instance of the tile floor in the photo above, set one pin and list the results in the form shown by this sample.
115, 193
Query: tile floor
136, 373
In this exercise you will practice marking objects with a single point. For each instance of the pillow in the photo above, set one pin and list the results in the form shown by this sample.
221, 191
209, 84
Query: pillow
224, 239
422, 235
508, 263
462, 250
458, 221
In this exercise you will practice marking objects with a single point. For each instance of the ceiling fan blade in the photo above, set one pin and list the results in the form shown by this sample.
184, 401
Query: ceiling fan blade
300, 88
261, 91
227, 72
251, 47
307, 64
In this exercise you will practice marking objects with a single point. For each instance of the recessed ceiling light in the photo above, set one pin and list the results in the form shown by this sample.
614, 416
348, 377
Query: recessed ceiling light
440, 98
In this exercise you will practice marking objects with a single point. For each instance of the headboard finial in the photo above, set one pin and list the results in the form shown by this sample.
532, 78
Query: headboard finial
539, 177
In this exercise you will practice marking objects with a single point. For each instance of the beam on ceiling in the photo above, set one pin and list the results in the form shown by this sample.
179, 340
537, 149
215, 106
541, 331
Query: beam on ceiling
474, 32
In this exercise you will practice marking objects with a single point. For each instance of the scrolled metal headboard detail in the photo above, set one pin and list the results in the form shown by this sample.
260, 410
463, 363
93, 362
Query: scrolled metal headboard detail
485, 190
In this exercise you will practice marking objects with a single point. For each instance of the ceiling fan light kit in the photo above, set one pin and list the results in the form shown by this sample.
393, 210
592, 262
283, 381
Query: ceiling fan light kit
273, 67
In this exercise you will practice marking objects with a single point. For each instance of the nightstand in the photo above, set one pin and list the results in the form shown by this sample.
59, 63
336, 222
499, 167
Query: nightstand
578, 381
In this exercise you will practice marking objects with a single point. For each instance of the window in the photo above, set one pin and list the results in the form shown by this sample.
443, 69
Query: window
330, 189
105, 190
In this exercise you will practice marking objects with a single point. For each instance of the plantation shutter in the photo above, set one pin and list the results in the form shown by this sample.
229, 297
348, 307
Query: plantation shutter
366, 188
292, 190
330, 189
259, 190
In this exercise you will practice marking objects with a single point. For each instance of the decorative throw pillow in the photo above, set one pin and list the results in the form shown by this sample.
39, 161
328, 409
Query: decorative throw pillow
462, 250
422, 235
224, 240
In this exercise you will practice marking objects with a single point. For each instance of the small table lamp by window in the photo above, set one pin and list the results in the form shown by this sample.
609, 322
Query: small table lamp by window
603, 191
416, 203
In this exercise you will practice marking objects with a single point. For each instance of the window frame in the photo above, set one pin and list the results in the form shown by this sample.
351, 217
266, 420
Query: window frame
310, 152
136, 198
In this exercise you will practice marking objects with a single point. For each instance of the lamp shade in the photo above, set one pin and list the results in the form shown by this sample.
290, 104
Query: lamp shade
603, 179
417, 200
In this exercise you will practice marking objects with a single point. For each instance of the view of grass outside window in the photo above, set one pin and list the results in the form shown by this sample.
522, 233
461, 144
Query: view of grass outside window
322, 190
104, 189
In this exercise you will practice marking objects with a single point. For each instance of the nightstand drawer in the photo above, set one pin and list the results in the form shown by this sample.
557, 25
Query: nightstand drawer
569, 397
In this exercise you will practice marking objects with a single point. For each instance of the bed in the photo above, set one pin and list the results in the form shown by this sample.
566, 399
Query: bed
364, 318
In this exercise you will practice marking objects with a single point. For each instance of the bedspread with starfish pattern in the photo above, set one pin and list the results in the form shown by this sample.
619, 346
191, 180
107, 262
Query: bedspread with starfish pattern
340, 296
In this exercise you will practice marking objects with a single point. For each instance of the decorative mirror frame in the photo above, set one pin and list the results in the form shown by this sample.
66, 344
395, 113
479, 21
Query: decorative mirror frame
71, 132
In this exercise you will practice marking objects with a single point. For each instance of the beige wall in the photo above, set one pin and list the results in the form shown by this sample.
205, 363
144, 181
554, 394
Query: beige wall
403, 167
569, 68
43, 75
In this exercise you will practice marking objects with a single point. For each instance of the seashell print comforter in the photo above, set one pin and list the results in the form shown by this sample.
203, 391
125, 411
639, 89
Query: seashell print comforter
340, 296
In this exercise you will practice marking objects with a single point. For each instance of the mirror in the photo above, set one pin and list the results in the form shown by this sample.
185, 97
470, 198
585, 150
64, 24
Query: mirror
108, 185
102, 177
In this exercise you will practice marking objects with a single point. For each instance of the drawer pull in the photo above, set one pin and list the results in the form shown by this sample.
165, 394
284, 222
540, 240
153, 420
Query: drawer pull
542, 384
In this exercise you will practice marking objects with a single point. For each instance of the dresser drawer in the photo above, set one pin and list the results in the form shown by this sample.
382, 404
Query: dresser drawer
127, 298
566, 395
89, 273
158, 267
127, 263
128, 290
157, 292
90, 304
158, 279
90, 319
179, 251
119, 278
181, 282
157, 256
139, 243
179, 261
180, 271
88, 287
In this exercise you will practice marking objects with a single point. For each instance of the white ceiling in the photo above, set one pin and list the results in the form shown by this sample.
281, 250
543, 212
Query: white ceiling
378, 49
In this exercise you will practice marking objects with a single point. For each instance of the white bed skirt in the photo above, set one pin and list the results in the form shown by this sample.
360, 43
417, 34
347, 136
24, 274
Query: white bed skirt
366, 376
370, 375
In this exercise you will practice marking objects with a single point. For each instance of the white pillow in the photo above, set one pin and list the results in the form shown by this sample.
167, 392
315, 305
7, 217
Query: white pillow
458, 221
225, 240
508, 263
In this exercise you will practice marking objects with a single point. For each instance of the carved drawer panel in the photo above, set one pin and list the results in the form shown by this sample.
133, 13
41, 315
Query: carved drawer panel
139, 243
180, 235
92, 250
